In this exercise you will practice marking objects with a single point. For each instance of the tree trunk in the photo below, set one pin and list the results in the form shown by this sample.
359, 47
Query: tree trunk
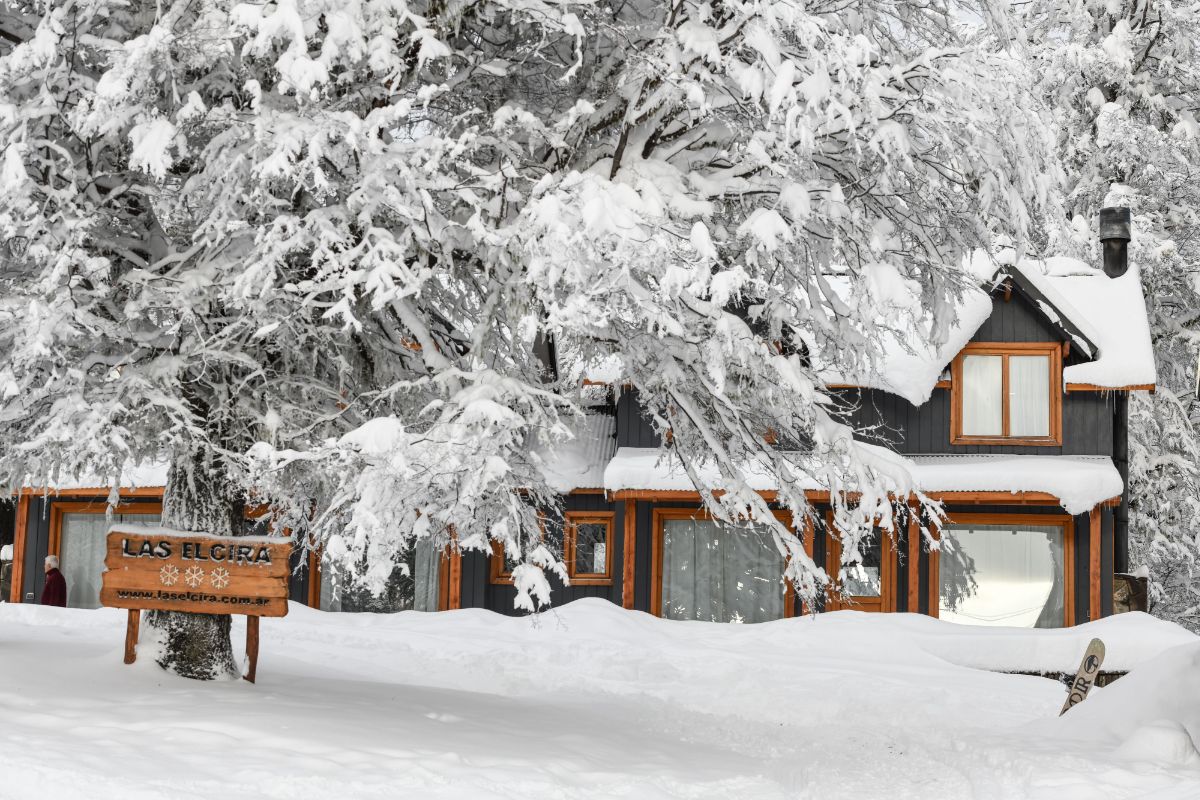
197, 499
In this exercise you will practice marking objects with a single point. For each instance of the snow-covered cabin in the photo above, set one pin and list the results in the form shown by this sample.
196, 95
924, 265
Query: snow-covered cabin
1018, 424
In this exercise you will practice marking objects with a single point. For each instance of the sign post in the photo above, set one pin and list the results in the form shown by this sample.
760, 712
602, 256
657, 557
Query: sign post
1085, 678
156, 569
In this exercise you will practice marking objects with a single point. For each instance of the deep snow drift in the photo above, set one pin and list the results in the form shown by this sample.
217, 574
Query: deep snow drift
593, 701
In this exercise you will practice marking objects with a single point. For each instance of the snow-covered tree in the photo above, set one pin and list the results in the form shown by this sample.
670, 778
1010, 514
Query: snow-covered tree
305, 249
1123, 81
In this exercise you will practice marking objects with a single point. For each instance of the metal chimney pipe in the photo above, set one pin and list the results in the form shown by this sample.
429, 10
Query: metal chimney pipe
1114, 234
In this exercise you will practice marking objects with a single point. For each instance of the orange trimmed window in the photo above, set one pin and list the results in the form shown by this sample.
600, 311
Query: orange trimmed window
1007, 393
587, 547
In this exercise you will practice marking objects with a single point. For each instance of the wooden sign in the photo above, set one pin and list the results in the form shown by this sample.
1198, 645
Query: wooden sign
1085, 678
161, 570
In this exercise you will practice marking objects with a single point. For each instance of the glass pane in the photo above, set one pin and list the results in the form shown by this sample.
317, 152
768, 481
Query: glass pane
865, 578
417, 590
720, 574
1003, 575
82, 551
1029, 395
591, 548
982, 399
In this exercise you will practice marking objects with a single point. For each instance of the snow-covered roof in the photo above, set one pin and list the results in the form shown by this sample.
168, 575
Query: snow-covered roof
1109, 312
579, 463
911, 369
1079, 482
142, 476
1104, 317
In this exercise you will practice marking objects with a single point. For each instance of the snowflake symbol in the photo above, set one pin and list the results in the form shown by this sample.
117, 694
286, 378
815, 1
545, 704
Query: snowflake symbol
169, 575
219, 578
193, 577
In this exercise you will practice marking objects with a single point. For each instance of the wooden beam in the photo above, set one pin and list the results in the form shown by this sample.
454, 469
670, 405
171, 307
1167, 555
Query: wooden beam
935, 583
819, 496
131, 635
251, 648
94, 492
629, 549
1091, 387
809, 536
20, 528
1094, 564
914, 559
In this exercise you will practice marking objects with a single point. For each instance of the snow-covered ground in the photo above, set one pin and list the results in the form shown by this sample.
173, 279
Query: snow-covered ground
593, 701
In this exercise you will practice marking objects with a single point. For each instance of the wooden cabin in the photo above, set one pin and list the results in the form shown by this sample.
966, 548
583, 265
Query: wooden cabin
1019, 425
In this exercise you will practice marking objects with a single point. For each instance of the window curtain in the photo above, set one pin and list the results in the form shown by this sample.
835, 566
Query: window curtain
1029, 395
982, 396
1004, 575
81, 556
417, 590
720, 574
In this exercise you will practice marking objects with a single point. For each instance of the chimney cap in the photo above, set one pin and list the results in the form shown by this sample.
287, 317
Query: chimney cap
1114, 223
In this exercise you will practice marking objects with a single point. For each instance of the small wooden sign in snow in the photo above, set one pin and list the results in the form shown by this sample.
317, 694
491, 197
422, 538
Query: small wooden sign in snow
155, 569
1085, 678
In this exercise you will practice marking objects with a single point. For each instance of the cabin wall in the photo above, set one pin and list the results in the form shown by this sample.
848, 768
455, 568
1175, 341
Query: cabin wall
478, 591
1087, 424
633, 429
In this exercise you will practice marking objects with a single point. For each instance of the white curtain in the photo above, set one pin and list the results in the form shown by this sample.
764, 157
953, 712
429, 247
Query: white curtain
81, 557
1029, 395
590, 548
720, 574
1004, 575
427, 568
982, 396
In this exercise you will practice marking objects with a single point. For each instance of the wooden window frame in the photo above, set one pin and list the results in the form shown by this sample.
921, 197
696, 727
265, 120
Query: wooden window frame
60, 507
886, 601
1053, 350
659, 517
570, 530
1064, 521
496, 561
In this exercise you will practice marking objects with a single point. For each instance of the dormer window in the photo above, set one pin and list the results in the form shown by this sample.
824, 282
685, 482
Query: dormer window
1007, 393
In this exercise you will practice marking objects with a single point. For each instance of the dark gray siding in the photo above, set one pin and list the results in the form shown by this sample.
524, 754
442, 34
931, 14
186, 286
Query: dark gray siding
37, 544
633, 430
1087, 424
479, 592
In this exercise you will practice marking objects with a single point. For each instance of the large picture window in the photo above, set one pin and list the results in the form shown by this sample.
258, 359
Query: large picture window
716, 572
78, 536
1007, 393
1015, 573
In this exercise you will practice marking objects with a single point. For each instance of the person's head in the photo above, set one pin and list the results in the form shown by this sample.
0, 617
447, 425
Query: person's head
51, 563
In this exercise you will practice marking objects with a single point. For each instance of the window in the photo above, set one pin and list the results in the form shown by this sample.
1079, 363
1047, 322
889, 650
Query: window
1007, 394
587, 547
78, 536
1014, 572
866, 579
415, 587
715, 572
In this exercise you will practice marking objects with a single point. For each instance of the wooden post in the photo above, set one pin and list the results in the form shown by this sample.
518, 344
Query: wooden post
629, 551
251, 647
914, 556
131, 635
935, 583
1094, 564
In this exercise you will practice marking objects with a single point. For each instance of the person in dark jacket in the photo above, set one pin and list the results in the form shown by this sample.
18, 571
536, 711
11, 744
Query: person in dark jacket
55, 591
